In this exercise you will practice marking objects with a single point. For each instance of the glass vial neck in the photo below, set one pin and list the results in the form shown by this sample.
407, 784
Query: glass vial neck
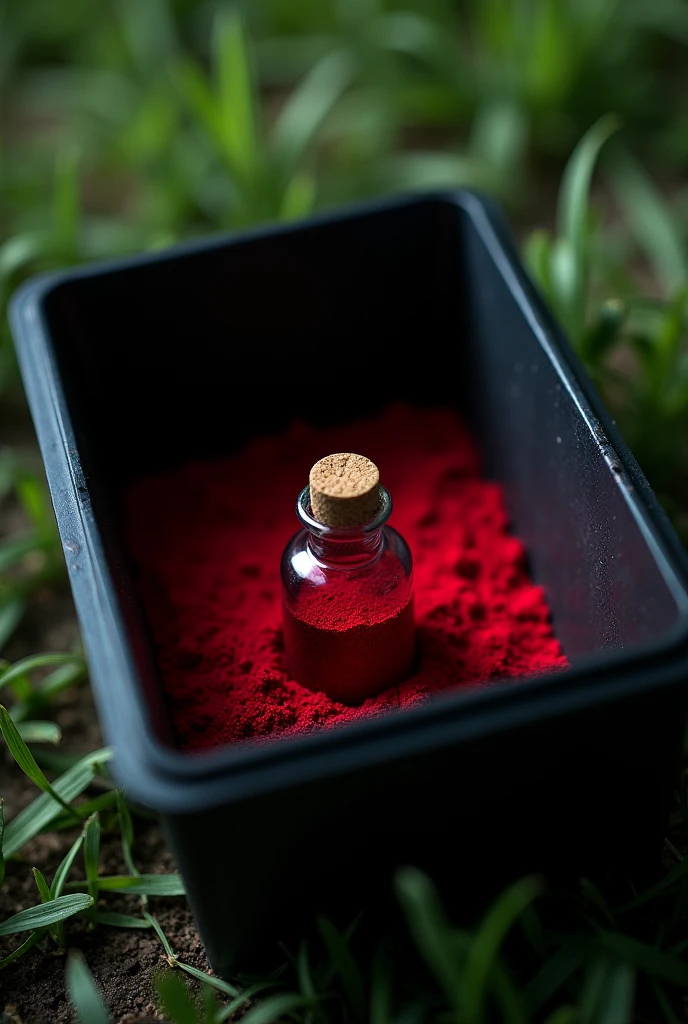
344, 547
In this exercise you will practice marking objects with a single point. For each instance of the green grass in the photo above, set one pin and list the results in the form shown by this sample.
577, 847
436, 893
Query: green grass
126, 126
511, 966
633, 347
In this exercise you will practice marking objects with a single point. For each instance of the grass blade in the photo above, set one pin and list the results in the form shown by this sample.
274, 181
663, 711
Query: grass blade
426, 169
56, 761
537, 253
84, 810
84, 993
488, 941
603, 333
175, 999
36, 661
620, 995
380, 991
533, 932
58, 883
309, 105
127, 833
652, 221
36, 504
150, 32
144, 885
200, 100
44, 890
55, 682
499, 138
43, 887
664, 1004
553, 974
33, 938
298, 198
210, 1005
11, 614
303, 971
45, 914
62, 873
572, 216
422, 38
607, 996
244, 997
25, 759
218, 983
592, 894
14, 550
345, 966
115, 920
593, 991
238, 101
62, 678
39, 732
664, 885
155, 924
507, 996
563, 1015
572, 204
92, 857
431, 931
648, 959
209, 979
34, 818
18, 252
274, 1008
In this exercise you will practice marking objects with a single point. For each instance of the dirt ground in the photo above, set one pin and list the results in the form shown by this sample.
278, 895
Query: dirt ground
124, 962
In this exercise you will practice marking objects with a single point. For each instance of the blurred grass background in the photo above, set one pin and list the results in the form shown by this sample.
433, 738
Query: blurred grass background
127, 125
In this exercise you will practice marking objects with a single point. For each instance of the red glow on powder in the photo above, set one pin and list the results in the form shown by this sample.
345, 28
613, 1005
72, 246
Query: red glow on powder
206, 541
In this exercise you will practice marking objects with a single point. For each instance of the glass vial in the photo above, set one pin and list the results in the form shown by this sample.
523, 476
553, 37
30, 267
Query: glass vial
347, 585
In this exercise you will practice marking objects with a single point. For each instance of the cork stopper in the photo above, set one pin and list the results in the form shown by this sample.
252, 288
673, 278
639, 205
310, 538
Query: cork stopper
344, 490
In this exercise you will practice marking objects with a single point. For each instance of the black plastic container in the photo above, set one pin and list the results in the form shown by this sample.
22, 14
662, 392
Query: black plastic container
134, 366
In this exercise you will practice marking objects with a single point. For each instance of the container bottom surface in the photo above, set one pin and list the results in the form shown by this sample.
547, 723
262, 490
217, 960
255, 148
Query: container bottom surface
206, 541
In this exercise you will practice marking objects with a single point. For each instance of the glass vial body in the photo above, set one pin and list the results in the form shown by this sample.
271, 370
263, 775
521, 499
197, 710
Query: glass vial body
347, 602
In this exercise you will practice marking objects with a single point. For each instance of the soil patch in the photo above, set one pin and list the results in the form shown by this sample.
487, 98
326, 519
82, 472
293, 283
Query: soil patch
125, 963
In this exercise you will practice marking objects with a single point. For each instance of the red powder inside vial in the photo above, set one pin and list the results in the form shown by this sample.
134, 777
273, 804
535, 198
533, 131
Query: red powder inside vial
206, 540
357, 650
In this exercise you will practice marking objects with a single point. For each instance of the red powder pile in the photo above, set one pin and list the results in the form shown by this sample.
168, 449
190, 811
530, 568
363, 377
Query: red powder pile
207, 538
